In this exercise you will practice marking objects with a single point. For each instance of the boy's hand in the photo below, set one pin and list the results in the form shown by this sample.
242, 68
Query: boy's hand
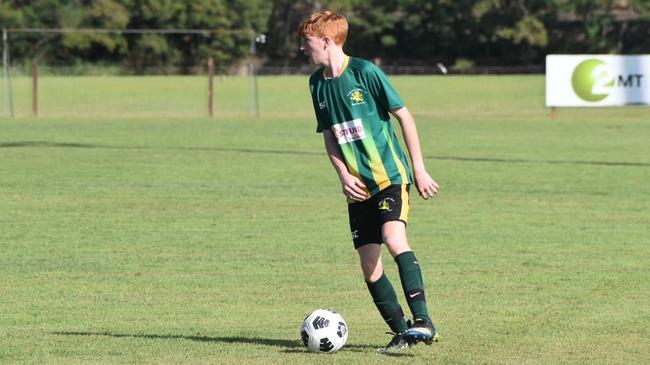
354, 188
427, 187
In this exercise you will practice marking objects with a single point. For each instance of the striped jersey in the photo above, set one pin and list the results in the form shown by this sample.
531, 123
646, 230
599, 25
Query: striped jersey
355, 107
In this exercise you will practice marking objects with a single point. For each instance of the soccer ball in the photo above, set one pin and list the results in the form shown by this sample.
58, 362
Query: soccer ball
324, 331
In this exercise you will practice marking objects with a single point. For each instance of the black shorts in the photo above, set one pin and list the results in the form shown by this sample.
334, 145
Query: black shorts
367, 217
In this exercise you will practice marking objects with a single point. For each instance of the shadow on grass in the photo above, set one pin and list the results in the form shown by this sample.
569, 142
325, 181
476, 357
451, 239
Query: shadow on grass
45, 144
290, 346
179, 148
288, 152
198, 338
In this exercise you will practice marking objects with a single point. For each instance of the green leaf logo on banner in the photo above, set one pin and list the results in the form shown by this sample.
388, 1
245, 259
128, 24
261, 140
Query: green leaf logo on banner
592, 80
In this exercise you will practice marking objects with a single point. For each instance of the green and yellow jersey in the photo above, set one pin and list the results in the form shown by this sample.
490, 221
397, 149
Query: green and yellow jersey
355, 107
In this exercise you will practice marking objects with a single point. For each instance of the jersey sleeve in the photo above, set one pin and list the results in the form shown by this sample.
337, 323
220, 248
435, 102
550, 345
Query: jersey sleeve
320, 119
382, 89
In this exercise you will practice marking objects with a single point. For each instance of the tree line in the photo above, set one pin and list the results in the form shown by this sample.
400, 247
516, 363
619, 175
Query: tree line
458, 32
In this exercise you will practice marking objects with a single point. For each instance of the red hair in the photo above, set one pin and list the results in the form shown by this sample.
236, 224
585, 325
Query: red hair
325, 24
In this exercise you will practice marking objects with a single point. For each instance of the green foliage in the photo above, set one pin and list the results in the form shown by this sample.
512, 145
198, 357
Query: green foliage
463, 64
103, 14
232, 22
601, 26
530, 30
9, 16
487, 31
372, 28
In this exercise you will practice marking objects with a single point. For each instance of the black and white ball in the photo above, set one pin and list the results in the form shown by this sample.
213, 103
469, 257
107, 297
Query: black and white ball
324, 331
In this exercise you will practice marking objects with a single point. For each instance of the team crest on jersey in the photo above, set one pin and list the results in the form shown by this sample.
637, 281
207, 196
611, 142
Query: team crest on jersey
356, 97
347, 132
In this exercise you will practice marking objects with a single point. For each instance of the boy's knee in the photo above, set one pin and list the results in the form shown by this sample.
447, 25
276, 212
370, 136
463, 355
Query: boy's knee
394, 237
373, 276
371, 271
396, 244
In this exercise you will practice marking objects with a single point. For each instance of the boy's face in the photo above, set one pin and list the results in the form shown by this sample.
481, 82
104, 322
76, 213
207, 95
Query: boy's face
316, 49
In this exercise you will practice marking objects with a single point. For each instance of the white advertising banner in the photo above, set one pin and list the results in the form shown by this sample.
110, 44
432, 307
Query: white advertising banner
597, 80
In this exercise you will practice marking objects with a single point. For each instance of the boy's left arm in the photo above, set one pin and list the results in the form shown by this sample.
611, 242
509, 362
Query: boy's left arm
425, 184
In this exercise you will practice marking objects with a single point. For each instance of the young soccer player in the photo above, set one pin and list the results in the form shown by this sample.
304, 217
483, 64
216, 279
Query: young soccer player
353, 100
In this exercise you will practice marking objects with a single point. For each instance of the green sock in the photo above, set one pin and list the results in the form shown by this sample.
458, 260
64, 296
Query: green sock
383, 294
412, 283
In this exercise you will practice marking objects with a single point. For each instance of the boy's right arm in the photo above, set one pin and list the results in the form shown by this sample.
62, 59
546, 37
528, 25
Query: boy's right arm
352, 186
425, 184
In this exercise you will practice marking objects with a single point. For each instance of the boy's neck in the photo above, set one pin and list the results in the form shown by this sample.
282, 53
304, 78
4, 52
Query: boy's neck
337, 61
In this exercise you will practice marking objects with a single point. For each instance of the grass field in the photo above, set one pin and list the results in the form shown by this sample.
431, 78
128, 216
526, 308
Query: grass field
159, 239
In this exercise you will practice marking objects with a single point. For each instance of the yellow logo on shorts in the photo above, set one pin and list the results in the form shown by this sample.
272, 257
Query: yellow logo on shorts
384, 205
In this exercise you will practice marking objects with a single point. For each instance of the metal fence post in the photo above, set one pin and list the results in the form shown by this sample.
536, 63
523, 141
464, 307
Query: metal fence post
8, 99
35, 87
210, 87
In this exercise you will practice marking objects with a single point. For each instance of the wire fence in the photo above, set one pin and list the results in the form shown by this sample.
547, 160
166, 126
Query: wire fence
92, 91
113, 90
412, 69
83, 89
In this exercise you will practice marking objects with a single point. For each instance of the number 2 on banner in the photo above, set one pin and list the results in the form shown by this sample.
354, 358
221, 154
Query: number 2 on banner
604, 80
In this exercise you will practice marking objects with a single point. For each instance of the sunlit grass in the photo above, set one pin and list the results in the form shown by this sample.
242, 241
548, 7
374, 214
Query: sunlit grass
162, 240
